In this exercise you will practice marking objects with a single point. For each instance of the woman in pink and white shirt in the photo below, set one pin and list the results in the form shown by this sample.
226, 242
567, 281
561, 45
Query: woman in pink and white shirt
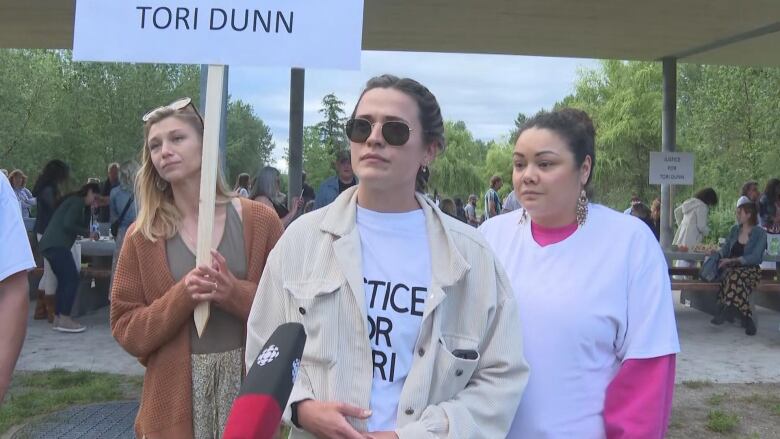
593, 290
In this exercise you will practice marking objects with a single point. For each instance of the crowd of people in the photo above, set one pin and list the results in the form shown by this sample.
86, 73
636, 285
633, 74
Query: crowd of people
425, 317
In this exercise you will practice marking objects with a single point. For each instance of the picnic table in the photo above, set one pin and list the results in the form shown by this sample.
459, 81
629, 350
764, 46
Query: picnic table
702, 295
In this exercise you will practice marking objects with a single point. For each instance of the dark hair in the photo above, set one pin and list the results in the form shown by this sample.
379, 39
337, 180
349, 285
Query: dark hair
448, 206
640, 210
458, 203
82, 192
575, 127
708, 196
429, 112
495, 179
772, 190
54, 173
746, 187
751, 210
242, 181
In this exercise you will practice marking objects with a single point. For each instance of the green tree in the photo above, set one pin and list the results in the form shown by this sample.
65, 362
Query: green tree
331, 129
249, 140
520, 120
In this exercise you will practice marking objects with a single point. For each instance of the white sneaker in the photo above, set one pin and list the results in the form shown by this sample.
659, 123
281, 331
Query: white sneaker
67, 324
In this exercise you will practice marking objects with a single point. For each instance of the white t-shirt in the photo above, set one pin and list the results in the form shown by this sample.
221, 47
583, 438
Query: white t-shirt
15, 253
396, 278
587, 303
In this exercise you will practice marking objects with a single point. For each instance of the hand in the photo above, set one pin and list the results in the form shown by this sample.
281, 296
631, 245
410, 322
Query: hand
217, 280
724, 263
296, 204
382, 435
327, 420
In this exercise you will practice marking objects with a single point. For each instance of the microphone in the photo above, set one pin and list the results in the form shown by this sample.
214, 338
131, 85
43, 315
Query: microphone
257, 411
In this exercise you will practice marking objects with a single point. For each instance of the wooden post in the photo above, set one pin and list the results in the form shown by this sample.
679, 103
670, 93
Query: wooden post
208, 180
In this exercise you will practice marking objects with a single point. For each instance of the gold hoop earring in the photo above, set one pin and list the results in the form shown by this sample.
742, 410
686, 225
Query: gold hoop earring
582, 208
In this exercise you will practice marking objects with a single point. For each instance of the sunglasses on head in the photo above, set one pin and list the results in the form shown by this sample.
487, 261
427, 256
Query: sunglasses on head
178, 104
395, 132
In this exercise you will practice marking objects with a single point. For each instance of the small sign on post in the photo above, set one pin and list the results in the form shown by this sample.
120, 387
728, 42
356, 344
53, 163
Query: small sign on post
671, 168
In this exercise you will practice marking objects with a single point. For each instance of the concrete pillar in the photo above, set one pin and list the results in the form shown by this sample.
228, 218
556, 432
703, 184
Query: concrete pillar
668, 143
295, 164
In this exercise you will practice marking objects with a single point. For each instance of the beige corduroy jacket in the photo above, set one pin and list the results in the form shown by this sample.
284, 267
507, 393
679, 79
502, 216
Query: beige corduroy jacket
314, 277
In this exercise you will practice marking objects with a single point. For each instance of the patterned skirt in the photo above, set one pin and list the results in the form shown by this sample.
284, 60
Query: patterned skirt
216, 380
737, 285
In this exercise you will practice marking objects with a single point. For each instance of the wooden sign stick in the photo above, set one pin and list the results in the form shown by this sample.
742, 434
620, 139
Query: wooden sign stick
208, 179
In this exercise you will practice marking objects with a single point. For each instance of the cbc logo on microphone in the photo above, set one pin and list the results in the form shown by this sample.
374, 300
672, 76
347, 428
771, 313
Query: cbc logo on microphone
269, 354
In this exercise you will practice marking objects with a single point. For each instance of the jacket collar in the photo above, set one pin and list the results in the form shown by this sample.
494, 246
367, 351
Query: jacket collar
447, 263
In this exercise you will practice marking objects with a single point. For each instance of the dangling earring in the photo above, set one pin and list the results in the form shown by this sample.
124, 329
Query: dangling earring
582, 208
523, 216
161, 184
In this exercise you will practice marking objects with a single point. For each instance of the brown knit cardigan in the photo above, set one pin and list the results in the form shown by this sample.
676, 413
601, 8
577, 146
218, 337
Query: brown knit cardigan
151, 315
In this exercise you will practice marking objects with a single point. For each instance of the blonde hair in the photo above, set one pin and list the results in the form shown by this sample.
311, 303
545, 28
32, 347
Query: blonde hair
158, 216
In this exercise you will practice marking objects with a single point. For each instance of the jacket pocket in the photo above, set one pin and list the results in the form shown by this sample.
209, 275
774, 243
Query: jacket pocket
315, 305
456, 360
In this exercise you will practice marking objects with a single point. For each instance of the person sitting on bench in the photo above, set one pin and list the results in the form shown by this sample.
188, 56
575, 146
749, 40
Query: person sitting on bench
741, 256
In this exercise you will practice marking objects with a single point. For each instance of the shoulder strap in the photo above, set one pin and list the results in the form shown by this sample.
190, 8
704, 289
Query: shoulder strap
124, 211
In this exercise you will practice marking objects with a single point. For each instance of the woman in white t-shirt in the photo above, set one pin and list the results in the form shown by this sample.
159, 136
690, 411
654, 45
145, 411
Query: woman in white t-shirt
593, 292
412, 328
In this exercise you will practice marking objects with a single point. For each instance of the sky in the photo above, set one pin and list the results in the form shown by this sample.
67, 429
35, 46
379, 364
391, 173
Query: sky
484, 91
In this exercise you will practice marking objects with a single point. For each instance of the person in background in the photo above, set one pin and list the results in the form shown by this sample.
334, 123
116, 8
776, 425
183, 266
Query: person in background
492, 200
334, 185
750, 190
634, 200
266, 189
15, 260
112, 181
740, 257
123, 205
308, 192
460, 212
190, 380
767, 206
68, 221
642, 212
593, 292
242, 185
471, 211
655, 216
26, 200
412, 330
47, 195
447, 205
691, 217
510, 203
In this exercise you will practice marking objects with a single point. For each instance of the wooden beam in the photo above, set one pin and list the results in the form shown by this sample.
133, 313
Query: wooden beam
208, 180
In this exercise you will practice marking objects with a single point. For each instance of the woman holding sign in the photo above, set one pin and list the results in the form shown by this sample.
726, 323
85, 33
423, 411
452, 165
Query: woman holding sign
594, 295
190, 381
412, 328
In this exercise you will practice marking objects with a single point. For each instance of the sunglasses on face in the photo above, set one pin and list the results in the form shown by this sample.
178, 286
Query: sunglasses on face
395, 132
176, 105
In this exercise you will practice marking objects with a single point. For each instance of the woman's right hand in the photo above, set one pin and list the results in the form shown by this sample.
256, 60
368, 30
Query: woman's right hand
327, 420
197, 282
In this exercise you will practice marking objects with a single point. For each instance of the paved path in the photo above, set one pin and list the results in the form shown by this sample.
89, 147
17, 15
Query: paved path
94, 350
724, 353
721, 354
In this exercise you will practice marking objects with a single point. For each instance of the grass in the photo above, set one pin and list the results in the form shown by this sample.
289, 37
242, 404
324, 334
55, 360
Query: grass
716, 399
721, 422
36, 393
697, 384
